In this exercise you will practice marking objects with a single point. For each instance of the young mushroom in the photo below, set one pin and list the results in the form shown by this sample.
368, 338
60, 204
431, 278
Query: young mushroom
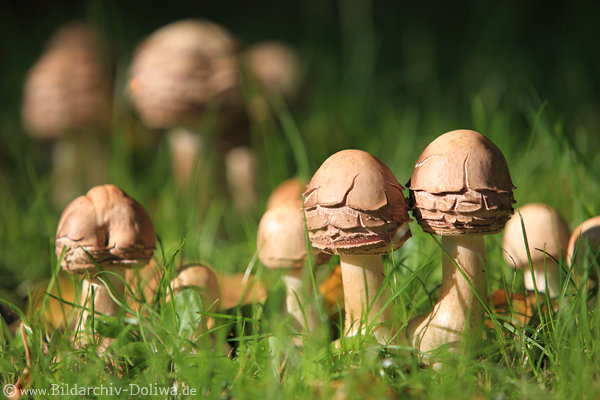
461, 190
290, 190
355, 208
201, 280
547, 235
584, 245
101, 235
281, 244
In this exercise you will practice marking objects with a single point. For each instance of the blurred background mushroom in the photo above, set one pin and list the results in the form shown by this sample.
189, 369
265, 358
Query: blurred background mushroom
547, 236
186, 76
67, 104
194, 292
583, 250
281, 244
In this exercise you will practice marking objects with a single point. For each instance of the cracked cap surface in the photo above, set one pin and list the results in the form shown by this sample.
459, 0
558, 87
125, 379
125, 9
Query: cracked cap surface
461, 185
355, 205
107, 225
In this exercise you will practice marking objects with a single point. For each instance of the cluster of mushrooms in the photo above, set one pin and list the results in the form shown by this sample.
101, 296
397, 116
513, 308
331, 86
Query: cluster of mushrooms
353, 206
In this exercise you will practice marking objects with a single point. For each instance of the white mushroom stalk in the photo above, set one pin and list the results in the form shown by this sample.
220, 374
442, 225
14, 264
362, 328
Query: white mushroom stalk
461, 190
355, 208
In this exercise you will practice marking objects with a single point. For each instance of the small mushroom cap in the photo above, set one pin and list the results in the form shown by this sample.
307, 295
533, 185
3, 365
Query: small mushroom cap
107, 225
355, 205
546, 230
274, 65
461, 185
290, 190
199, 277
281, 242
179, 69
67, 90
587, 233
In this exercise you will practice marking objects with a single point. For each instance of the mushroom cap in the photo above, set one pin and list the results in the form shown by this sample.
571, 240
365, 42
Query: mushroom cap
178, 70
67, 90
274, 66
199, 277
289, 190
461, 185
546, 230
281, 242
107, 225
355, 205
587, 233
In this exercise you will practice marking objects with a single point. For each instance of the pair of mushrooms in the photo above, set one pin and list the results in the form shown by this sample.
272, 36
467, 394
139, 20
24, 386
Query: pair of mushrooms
460, 189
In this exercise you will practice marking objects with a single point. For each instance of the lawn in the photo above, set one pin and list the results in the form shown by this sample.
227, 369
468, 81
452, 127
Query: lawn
387, 79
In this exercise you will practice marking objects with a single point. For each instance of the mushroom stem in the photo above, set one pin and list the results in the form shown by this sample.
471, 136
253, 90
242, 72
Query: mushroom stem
102, 302
362, 276
541, 274
299, 310
458, 311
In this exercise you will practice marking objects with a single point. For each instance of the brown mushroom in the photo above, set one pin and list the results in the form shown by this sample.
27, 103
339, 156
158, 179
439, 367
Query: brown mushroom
281, 244
179, 69
274, 67
355, 208
461, 190
203, 281
547, 236
66, 100
290, 190
583, 246
100, 235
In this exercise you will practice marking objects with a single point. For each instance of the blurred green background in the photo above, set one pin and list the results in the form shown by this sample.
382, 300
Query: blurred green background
386, 77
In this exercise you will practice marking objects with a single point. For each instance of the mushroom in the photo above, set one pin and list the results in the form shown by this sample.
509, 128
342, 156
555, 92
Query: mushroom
66, 101
103, 231
274, 67
176, 75
547, 236
461, 190
355, 208
201, 280
281, 244
290, 190
583, 246
181, 68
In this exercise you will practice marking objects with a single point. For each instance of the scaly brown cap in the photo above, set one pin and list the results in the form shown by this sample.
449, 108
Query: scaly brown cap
461, 185
281, 242
546, 230
66, 90
179, 69
587, 233
355, 205
107, 225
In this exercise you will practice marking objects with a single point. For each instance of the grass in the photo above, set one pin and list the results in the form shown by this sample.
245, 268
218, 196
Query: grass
364, 89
